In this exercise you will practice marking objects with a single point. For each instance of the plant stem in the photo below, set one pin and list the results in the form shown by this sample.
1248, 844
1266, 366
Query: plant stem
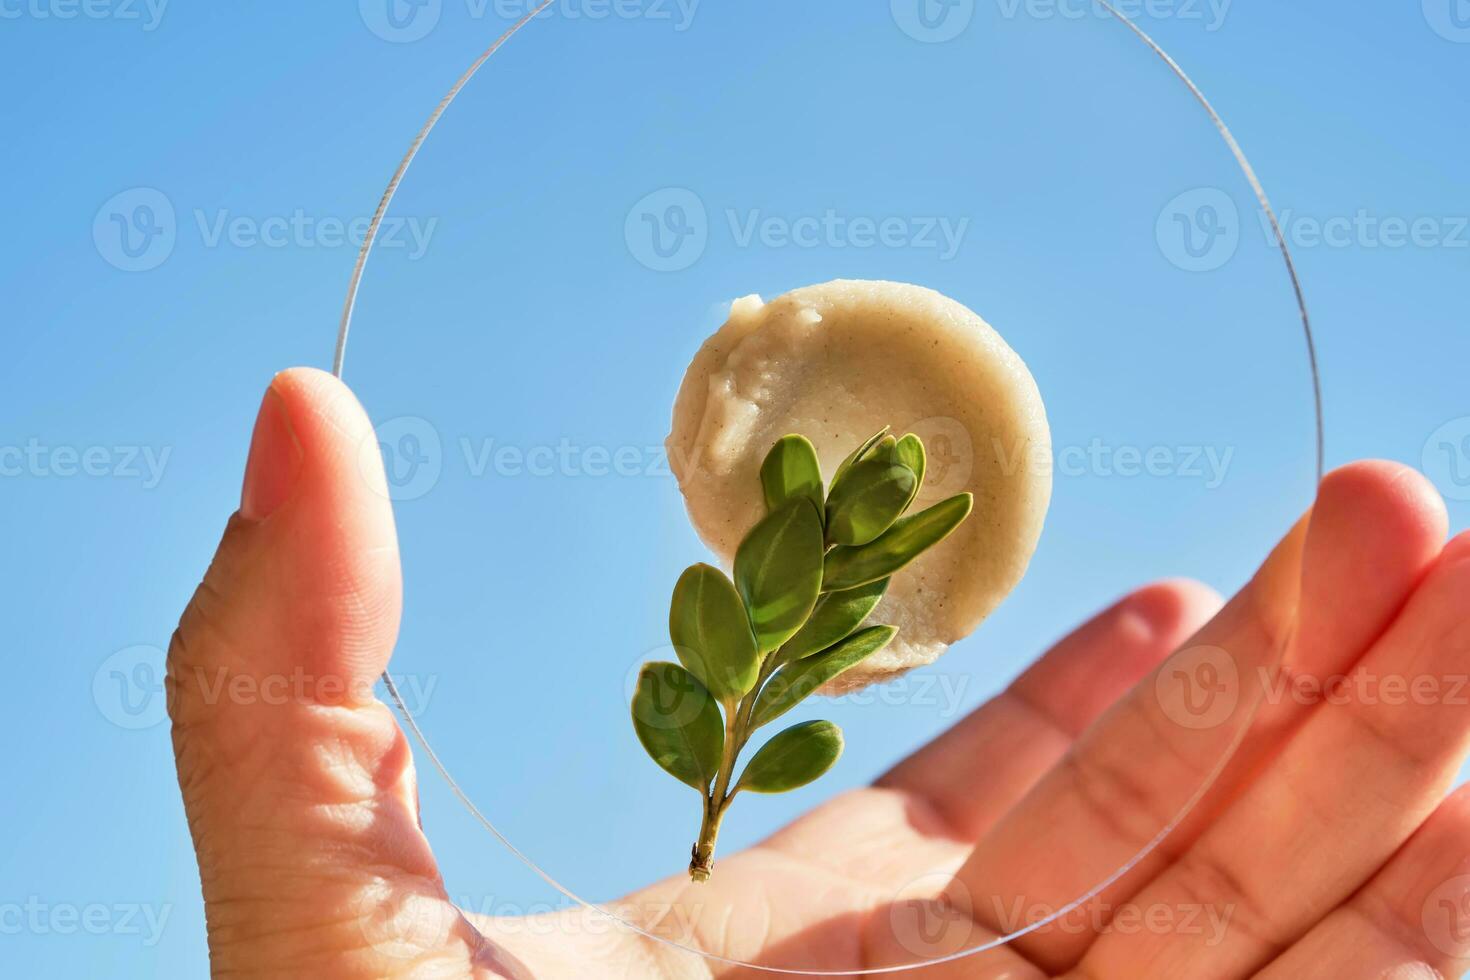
747, 705
701, 860
737, 733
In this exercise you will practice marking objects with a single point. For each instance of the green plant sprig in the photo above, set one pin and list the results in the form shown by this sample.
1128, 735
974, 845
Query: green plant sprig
806, 577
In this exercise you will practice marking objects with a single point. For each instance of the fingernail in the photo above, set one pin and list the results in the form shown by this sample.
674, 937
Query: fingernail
275, 460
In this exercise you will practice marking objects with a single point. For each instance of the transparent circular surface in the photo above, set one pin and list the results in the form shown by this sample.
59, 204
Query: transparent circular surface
564, 243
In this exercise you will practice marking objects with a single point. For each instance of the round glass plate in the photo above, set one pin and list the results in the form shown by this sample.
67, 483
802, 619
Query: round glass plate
574, 231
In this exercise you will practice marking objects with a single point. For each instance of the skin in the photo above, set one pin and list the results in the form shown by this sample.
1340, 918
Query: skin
1329, 838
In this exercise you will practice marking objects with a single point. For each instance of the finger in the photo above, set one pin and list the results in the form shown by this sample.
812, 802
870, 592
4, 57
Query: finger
975, 772
297, 784
1373, 533
1411, 921
1354, 783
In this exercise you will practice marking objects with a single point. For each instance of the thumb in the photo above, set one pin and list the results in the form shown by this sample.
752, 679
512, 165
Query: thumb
297, 783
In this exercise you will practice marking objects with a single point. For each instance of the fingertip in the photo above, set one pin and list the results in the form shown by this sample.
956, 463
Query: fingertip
1444, 592
1377, 527
1172, 608
317, 393
1375, 532
307, 386
305, 378
1140, 630
333, 541
337, 436
1393, 503
1458, 549
1091, 667
1455, 813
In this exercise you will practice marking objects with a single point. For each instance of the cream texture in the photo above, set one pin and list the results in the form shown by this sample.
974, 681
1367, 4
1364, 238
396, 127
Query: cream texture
835, 363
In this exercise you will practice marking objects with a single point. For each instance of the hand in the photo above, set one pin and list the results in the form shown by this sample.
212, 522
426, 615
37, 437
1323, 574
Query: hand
1326, 848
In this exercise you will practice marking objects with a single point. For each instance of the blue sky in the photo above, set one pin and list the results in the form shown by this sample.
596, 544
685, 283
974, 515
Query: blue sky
185, 184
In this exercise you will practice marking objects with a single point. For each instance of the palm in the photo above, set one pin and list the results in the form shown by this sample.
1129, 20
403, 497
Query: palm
1326, 847
1038, 796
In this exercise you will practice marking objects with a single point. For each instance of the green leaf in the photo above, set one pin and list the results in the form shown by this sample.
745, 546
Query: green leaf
678, 724
711, 633
872, 495
836, 616
885, 449
778, 570
791, 471
794, 682
859, 453
910, 452
848, 568
793, 758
